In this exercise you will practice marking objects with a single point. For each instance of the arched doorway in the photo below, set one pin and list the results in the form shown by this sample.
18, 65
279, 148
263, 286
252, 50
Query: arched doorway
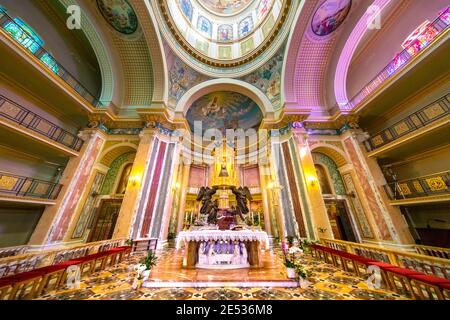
335, 197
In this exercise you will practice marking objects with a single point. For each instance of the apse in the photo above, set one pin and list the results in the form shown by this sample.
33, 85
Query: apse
224, 110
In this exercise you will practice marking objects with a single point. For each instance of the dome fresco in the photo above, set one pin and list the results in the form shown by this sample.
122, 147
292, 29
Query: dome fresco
224, 33
225, 110
225, 7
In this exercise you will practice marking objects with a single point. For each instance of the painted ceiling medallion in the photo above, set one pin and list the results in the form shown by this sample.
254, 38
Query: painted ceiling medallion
119, 14
329, 16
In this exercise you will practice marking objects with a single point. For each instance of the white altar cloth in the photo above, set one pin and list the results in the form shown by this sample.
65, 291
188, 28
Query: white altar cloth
206, 235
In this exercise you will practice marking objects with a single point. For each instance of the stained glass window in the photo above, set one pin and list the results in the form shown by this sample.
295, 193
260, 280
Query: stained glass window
205, 26
245, 27
48, 60
186, 7
225, 32
24, 35
445, 15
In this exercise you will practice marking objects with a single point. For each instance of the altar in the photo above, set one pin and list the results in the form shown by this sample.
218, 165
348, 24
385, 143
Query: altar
217, 249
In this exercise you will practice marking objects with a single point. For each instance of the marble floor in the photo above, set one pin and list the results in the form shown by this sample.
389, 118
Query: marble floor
326, 283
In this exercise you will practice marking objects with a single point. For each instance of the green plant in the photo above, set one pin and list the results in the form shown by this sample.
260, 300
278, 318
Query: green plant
150, 261
289, 263
129, 242
301, 272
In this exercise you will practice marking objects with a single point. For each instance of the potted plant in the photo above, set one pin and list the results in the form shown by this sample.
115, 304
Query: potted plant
302, 276
129, 242
289, 261
149, 262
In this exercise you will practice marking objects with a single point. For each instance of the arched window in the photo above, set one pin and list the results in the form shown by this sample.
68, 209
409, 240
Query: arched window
25, 36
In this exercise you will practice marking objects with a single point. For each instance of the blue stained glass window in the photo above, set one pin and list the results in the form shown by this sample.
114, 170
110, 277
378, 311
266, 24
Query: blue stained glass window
205, 26
24, 35
245, 27
186, 7
48, 60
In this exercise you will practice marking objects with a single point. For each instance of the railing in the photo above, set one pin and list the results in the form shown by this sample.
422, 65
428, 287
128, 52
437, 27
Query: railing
429, 114
28, 41
28, 187
13, 251
438, 267
437, 252
25, 118
432, 185
399, 62
33, 260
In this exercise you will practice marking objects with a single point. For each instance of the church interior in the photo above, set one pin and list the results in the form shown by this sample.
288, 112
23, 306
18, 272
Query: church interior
224, 150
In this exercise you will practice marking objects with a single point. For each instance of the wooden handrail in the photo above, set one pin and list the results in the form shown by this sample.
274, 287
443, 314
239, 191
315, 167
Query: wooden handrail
32, 260
436, 266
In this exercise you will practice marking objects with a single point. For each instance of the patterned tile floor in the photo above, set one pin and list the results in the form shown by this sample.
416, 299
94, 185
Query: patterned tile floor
326, 283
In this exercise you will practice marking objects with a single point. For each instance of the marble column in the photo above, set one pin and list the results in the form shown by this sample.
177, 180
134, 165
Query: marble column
389, 221
171, 193
135, 189
265, 200
55, 220
310, 183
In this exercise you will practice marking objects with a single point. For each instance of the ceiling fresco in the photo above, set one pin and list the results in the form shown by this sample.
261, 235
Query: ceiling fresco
225, 110
119, 14
329, 16
228, 7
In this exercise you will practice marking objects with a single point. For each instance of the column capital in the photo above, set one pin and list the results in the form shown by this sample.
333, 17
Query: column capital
88, 133
357, 134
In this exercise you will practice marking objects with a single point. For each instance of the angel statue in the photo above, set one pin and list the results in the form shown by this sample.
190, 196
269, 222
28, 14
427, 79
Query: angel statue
208, 206
242, 196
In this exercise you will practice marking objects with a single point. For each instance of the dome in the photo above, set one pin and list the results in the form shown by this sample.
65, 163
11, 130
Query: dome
224, 34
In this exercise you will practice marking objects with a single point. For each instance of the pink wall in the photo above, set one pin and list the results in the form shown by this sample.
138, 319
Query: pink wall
387, 42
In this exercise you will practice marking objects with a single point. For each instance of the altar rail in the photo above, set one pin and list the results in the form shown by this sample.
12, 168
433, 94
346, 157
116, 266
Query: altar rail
438, 267
32, 260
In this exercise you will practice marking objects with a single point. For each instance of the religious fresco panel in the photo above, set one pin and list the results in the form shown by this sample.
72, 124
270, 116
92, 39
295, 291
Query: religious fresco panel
119, 14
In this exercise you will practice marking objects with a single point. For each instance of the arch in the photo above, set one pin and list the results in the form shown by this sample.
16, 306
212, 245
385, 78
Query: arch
224, 84
331, 167
152, 35
110, 154
103, 57
340, 80
333, 152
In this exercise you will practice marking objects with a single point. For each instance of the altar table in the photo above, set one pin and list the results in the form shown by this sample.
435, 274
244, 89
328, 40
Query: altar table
253, 242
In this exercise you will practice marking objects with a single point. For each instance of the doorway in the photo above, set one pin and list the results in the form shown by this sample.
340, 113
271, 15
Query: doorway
105, 220
341, 225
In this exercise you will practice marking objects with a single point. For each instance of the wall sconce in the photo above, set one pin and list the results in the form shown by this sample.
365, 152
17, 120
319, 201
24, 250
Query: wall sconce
312, 181
176, 186
135, 180
270, 185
